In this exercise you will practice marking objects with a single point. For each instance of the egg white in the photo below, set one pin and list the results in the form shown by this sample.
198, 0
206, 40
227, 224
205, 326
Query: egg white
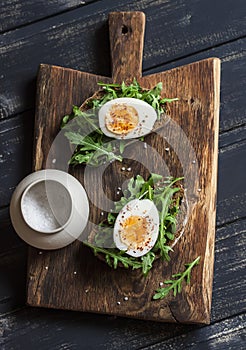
146, 113
144, 208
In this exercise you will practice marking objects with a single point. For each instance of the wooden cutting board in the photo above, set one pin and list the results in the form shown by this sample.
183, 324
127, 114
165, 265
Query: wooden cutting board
73, 278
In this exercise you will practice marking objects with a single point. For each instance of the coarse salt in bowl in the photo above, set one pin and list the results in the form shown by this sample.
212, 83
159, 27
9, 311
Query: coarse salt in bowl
46, 206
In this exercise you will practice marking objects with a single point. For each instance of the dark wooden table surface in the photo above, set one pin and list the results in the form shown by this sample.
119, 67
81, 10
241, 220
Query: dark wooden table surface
74, 34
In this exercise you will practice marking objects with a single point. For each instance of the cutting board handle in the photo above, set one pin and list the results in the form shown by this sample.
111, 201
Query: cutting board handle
126, 33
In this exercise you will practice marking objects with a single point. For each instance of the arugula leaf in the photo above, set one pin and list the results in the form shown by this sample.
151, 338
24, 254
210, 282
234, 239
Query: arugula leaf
134, 90
175, 284
81, 121
160, 192
86, 122
111, 218
168, 100
114, 257
91, 150
147, 262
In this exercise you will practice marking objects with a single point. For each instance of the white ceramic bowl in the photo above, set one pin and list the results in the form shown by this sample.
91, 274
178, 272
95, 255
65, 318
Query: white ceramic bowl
49, 209
46, 206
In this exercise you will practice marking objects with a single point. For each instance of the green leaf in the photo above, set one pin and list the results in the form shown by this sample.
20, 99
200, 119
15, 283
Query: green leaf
65, 120
122, 146
85, 123
135, 186
111, 218
168, 282
108, 261
158, 190
104, 237
168, 100
117, 256
147, 260
170, 235
91, 149
158, 296
175, 284
115, 262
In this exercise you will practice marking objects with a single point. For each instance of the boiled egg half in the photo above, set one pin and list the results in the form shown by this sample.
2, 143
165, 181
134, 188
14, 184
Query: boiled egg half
126, 118
137, 227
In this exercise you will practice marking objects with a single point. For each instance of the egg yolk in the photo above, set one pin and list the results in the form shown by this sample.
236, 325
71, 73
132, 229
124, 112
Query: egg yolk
134, 232
121, 119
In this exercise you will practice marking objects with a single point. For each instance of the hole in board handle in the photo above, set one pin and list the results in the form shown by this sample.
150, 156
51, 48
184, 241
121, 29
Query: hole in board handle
124, 30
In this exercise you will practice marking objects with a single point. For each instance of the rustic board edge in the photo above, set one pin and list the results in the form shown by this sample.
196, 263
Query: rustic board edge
207, 277
208, 270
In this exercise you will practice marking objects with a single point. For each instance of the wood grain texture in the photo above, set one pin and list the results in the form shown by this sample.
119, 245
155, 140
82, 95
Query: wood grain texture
233, 85
232, 68
126, 33
16, 139
228, 300
16, 134
229, 265
177, 33
8, 238
229, 334
50, 81
231, 162
233, 80
229, 276
15, 13
79, 39
227, 279
13, 266
199, 121
75, 331
237, 134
